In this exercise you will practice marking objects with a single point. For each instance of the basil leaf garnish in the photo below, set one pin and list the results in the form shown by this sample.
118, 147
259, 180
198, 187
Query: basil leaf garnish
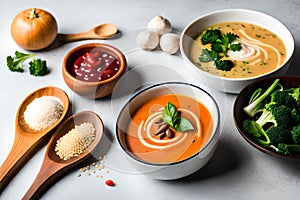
183, 125
170, 116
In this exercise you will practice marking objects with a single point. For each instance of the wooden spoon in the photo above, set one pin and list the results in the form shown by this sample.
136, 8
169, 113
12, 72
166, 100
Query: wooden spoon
54, 167
27, 140
102, 31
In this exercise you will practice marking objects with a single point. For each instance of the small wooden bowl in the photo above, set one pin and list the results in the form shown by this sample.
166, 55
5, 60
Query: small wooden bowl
242, 100
93, 90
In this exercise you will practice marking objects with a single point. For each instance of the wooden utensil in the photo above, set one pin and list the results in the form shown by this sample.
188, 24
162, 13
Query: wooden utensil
102, 31
27, 140
54, 167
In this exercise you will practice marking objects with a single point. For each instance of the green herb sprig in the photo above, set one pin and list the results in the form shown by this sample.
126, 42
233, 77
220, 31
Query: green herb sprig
170, 117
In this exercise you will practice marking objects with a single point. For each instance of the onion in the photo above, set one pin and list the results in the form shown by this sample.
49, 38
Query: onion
34, 29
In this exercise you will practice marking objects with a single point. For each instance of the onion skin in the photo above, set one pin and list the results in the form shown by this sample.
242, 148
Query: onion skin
34, 32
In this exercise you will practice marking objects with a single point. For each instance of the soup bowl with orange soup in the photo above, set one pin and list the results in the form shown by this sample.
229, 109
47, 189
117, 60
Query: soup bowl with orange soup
169, 130
263, 46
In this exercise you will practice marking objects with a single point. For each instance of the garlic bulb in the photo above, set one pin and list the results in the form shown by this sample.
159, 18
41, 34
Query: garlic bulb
147, 40
169, 43
160, 25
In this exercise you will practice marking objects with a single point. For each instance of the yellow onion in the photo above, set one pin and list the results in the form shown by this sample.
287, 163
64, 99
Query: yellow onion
34, 29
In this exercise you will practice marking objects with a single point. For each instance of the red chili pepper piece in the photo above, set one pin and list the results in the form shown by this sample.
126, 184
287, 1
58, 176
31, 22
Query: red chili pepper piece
109, 182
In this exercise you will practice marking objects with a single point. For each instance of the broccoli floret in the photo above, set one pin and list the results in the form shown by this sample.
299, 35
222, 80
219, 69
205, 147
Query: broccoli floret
224, 43
296, 134
235, 47
210, 36
254, 129
38, 67
287, 149
279, 135
294, 92
257, 100
280, 97
279, 116
14, 64
224, 65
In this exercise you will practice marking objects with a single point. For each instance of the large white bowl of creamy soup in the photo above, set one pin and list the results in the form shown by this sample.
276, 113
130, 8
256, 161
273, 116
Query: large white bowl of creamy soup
230, 48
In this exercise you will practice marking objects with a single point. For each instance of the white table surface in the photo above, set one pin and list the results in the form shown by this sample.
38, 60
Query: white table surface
236, 171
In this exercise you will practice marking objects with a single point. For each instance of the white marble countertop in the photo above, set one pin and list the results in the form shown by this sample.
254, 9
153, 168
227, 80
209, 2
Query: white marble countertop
236, 171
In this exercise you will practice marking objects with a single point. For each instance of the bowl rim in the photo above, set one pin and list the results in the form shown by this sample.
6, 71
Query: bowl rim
213, 136
243, 134
262, 14
121, 56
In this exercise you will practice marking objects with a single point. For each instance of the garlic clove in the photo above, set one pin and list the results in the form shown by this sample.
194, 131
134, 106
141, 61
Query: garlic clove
147, 40
169, 43
159, 25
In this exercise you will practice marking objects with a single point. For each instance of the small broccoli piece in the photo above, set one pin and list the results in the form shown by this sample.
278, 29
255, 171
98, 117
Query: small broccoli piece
294, 92
296, 134
224, 65
279, 116
14, 64
230, 37
288, 149
225, 43
38, 67
280, 97
254, 129
210, 36
235, 47
257, 99
279, 135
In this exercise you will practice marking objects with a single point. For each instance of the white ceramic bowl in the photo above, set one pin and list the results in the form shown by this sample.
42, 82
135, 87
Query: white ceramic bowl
234, 85
178, 169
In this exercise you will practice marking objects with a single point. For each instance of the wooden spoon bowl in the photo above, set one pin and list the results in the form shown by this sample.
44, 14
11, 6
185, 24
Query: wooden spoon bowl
53, 166
102, 31
27, 140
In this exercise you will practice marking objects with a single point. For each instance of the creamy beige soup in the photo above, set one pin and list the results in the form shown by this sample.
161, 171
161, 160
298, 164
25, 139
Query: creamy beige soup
262, 51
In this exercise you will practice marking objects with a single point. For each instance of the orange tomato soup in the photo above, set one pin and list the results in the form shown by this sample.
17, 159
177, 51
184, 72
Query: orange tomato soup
146, 146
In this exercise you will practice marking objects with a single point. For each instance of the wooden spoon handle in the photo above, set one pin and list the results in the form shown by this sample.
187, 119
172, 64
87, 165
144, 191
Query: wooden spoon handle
65, 38
21, 151
47, 175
